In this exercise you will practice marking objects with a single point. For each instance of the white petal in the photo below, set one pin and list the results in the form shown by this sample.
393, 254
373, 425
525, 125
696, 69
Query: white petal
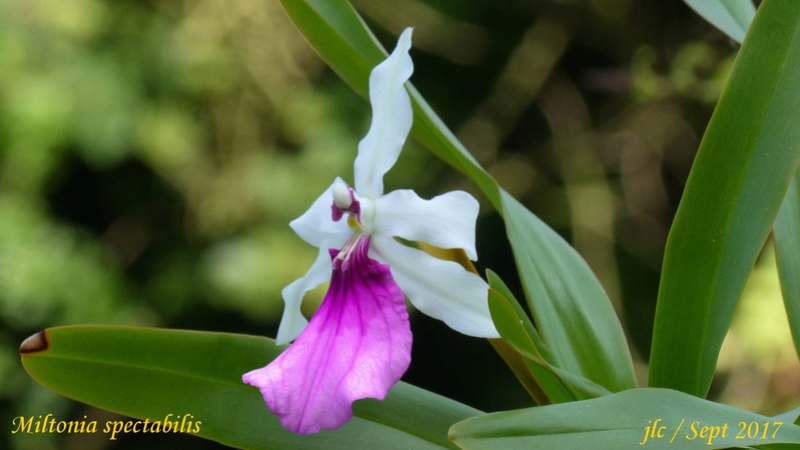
391, 119
293, 323
316, 224
441, 289
446, 221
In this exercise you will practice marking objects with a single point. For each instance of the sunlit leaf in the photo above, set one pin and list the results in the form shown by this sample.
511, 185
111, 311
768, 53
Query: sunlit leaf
149, 373
742, 171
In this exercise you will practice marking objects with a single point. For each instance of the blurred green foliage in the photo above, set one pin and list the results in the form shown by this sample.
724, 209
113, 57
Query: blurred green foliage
153, 152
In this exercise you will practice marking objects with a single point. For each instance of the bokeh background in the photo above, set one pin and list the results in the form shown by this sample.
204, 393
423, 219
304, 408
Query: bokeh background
152, 153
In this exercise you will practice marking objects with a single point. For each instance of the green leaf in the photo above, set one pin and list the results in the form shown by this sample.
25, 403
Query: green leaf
789, 416
512, 322
570, 307
620, 421
149, 373
573, 313
740, 176
732, 17
787, 251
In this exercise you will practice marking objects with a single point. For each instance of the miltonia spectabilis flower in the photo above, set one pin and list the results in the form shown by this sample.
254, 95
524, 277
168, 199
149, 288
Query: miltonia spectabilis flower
358, 344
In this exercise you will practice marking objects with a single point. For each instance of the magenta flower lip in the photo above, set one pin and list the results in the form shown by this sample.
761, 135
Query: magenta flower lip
356, 346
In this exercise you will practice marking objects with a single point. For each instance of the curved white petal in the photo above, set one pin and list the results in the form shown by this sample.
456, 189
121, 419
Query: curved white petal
441, 289
446, 221
316, 225
293, 323
391, 119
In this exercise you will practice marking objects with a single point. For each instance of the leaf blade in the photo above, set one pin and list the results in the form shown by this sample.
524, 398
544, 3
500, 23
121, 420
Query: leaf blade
572, 312
740, 176
616, 421
149, 373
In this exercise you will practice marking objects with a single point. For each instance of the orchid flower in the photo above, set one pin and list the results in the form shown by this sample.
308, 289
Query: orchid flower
358, 344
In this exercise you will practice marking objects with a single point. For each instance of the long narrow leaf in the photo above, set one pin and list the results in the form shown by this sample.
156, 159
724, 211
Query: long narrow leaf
638, 418
743, 168
570, 307
733, 17
150, 373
